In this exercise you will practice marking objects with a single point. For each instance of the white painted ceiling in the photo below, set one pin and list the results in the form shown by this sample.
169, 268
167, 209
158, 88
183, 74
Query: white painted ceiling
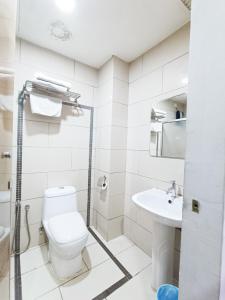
102, 28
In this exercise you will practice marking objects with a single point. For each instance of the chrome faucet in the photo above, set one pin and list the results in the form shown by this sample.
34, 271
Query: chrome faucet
172, 191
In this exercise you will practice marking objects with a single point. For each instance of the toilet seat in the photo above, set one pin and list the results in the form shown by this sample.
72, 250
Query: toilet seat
67, 234
67, 228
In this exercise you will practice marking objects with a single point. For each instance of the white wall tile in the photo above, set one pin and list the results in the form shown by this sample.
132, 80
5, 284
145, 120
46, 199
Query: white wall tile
146, 87
78, 179
106, 72
116, 183
103, 137
130, 209
116, 206
80, 159
86, 74
58, 159
36, 160
115, 228
103, 115
135, 70
103, 94
139, 113
119, 115
7, 9
120, 91
174, 46
86, 92
68, 117
161, 168
35, 211
82, 200
5, 163
101, 202
175, 74
138, 138
35, 134
121, 69
68, 136
119, 137
48, 60
33, 185
103, 159
132, 164
5, 132
118, 160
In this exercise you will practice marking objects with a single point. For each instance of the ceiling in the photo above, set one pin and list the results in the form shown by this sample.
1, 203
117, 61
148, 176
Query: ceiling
101, 28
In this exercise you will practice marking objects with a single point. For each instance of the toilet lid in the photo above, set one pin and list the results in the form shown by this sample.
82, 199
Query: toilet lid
67, 228
2, 231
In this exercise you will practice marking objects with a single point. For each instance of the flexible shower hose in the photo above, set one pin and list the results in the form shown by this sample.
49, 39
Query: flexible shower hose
27, 207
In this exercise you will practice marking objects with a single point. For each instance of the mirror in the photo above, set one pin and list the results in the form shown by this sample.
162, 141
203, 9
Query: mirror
168, 127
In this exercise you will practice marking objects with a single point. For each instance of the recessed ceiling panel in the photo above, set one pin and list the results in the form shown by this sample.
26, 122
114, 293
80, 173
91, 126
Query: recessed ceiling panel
91, 31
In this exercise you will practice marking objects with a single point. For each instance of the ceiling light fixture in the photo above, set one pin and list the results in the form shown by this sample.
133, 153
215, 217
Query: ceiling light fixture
66, 6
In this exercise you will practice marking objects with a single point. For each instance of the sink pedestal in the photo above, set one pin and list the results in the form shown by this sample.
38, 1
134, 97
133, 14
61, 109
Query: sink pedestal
162, 254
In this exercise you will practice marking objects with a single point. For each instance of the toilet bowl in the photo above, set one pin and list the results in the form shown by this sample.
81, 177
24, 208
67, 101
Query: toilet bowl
65, 229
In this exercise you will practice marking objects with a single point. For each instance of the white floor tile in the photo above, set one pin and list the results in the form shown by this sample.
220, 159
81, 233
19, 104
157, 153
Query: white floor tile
91, 240
38, 282
139, 287
134, 260
119, 244
53, 295
92, 283
94, 255
32, 259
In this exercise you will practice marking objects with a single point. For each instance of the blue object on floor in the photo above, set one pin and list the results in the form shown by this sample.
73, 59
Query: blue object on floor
167, 292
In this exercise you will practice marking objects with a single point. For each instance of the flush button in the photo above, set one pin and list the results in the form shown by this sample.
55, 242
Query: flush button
195, 206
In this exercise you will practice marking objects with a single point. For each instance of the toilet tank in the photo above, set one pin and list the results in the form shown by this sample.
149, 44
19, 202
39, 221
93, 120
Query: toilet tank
59, 200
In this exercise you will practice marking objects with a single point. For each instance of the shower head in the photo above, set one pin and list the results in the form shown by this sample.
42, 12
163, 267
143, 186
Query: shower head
187, 3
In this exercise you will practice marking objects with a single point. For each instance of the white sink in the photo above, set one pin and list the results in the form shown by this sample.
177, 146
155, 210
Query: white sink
166, 214
156, 202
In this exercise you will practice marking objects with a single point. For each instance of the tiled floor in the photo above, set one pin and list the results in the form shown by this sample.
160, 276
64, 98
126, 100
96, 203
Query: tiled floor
98, 273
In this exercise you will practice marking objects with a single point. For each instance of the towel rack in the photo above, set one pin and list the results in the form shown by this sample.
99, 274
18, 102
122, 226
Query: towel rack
46, 89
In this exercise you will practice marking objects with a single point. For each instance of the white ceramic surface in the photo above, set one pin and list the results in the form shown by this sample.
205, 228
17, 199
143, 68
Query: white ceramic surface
156, 202
167, 214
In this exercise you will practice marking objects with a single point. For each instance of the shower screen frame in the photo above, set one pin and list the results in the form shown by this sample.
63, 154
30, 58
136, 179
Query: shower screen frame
23, 96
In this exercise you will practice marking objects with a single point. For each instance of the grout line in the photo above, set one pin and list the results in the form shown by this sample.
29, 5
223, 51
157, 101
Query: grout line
111, 289
119, 283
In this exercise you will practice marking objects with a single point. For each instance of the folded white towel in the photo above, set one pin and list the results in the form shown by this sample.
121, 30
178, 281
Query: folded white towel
45, 106
58, 84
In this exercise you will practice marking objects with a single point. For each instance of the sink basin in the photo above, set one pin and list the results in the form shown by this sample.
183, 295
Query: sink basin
166, 214
156, 202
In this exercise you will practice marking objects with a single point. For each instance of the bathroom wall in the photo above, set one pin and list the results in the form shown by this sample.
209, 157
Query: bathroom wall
7, 49
158, 74
111, 102
55, 150
202, 235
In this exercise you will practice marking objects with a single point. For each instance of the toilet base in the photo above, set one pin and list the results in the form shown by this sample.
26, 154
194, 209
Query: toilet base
65, 268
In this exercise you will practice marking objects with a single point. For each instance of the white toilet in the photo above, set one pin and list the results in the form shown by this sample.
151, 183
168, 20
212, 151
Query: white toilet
66, 230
